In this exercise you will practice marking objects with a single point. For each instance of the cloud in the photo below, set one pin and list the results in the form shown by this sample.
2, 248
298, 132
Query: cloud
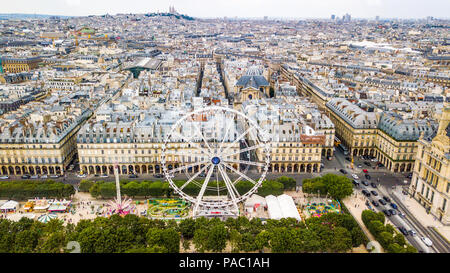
73, 3
374, 3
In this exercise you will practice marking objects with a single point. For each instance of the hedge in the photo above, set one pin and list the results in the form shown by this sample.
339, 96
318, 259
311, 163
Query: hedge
163, 189
391, 240
25, 189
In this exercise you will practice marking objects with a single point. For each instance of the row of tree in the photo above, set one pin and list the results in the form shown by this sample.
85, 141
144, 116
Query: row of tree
25, 189
329, 233
337, 186
390, 239
159, 189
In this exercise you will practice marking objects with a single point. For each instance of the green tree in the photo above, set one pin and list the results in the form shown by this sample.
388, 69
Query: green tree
342, 240
54, 243
217, 238
200, 239
280, 240
385, 238
262, 240
187, 228
376, 227
358, 237
289, 183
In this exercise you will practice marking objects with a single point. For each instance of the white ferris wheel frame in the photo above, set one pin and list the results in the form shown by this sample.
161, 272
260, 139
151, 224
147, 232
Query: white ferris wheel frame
209, 167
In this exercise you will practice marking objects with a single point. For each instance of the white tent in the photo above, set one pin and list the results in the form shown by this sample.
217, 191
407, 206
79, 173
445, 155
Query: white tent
10, 206
254, 200
288, 207
282, 206
273, 207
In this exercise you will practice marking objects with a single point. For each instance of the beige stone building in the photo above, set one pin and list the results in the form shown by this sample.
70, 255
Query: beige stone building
430, 184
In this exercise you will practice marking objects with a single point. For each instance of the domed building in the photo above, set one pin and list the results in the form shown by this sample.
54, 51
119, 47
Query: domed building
253, 85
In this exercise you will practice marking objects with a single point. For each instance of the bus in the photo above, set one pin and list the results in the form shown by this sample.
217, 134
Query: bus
343, 149
337, 141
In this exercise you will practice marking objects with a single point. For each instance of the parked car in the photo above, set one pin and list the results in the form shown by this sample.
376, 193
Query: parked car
373, 185
356, 183
355, 176
34, 176
367, 164
365, 183
202, 175
382, 202
374, 193
366, 193
343, 171
359, 166
412, 232
387, 199
81, 175
96, 175
44, 176
403, 231
367, 176
393, 211
133, 176
375, 203
427, 241
4, 177
394, 206
386, 212
401, 214
348, 159
25, 176
104, 175
158, 175
54, 176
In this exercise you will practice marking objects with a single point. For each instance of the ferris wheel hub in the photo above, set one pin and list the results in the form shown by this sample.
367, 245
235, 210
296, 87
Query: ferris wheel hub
215, 160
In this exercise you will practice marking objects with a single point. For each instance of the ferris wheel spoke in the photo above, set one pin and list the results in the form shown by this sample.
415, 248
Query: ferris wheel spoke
237, 139
246, 150
189, 141
186, 154
203, 137
185, 167
194, 176
205, 184
230, 186
245, 162
239, 173
226, 134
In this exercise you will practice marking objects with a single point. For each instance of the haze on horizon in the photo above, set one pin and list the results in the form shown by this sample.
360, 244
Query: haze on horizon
238, 8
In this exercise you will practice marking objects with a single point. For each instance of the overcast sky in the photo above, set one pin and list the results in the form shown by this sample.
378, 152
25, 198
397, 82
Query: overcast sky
240, 8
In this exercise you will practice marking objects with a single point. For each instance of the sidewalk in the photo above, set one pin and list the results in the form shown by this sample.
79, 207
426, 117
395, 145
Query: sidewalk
420, 213
358, 200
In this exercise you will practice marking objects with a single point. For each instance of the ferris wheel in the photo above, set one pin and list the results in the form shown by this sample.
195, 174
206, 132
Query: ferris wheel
208, 152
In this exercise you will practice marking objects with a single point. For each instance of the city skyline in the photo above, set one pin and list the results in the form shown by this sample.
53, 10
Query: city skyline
248, 8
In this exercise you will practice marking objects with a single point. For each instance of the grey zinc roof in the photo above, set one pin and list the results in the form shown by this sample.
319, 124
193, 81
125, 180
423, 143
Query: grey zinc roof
253, 78
355, 116
252, 81
410, 129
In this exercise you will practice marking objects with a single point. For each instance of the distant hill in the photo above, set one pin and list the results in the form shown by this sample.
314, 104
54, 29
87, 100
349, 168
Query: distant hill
9, 16
178, 16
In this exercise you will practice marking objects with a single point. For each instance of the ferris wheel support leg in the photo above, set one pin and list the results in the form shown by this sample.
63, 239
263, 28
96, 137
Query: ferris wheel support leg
230, 188
202, 190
